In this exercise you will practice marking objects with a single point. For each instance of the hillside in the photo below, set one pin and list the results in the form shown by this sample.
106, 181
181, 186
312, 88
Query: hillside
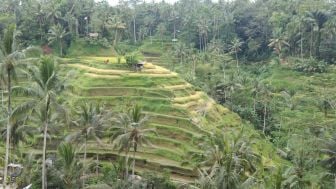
181, 114
301, 105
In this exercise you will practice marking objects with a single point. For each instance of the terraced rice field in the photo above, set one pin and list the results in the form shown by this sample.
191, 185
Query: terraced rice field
181, 115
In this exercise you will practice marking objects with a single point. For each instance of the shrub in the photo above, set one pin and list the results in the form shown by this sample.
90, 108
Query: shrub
153, 180
310, 66
131, 60
103, 42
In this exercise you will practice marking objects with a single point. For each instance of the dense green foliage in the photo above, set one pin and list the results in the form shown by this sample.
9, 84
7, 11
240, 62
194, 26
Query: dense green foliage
271, 62
311, 66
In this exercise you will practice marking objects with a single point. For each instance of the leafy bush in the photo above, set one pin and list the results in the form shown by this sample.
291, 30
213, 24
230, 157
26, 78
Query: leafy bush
123, 48
310, 66
153, 180
103, 42
131, 59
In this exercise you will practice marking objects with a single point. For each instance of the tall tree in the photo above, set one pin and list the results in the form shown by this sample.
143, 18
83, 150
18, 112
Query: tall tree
44, 88
277, 44
10, 59
318, 19
230, 157
118, 26
7, 71
266, 97
68, 166
91, 122
41, 18
203, 30
134, 15
161, 29
149, 22
133, 133
57, 34
235, 48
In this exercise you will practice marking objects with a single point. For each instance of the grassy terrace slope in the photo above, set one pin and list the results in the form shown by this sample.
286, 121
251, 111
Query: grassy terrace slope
181, 115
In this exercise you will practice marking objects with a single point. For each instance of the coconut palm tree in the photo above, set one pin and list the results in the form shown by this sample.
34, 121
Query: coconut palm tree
7, 72
134, 15
68, 166
161, 29
41, 18
325, 104
294, 175
317, 18
56, 35
289, 97
149, 22
91, 122
255, 90
44, 88
205, 179
266, 97
230, 157
180, 50
120, 125
118, 26
203, 30
19, 132
236, 48
277, 44
10, 60
54, 12
131, 132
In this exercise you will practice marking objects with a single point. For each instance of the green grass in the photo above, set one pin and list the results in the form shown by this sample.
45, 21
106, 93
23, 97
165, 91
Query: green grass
127, 91
81, 48
155, 48
135, 81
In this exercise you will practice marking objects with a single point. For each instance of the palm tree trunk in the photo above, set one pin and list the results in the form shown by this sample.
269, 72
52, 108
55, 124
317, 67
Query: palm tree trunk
2, 99
133, 164
265, 112
200, 43
44, 173
311, 44
61, 47
115, 37
174, 29
161, 36
194, 68
134, 35
41, 31
301, 42
8, 126
205, 41
237, 58
318, 42
77, 26
84, 164
97, 167
126, 165
254, 104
